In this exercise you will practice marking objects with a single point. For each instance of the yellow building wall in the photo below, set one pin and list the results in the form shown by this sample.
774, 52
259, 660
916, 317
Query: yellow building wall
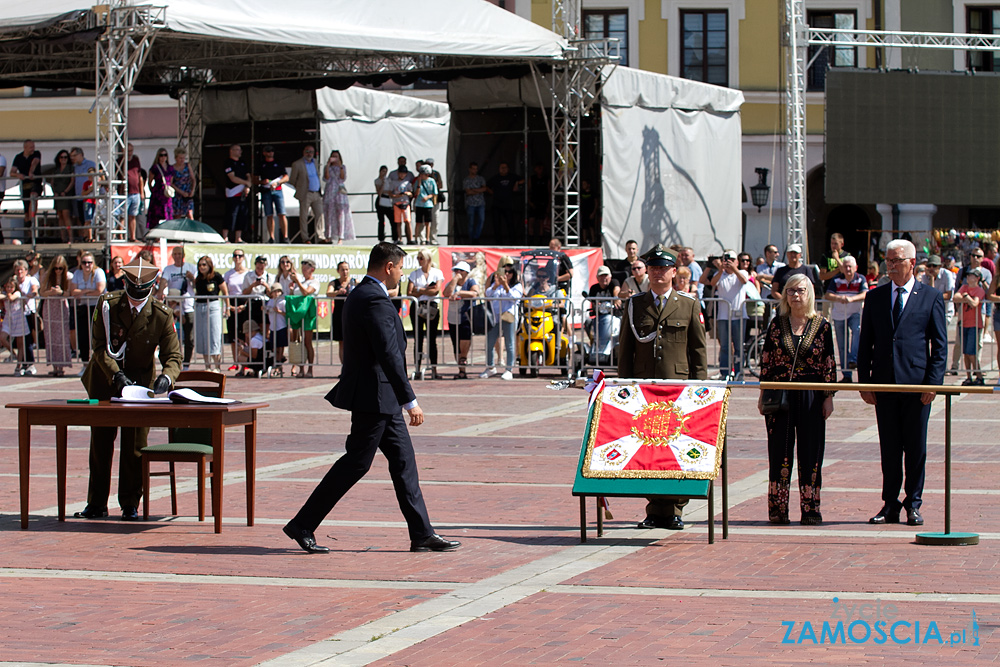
653, 40
45, 124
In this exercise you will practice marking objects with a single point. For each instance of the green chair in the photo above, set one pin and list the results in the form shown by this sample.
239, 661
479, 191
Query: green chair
185, 445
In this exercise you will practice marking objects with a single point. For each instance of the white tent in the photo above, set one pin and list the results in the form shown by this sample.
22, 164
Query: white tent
671, 156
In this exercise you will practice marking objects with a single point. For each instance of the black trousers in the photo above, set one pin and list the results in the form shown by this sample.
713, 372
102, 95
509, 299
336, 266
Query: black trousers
102, 447
420, 329
385, 213
902, 435
804, 423
187, 328
370, 432
84, 315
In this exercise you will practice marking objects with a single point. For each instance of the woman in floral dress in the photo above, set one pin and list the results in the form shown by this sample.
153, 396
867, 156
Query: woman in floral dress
336, 207
183, 186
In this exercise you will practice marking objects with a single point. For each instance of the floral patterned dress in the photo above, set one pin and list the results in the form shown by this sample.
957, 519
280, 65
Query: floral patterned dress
337, 208
804, 420
183, 181
161, 207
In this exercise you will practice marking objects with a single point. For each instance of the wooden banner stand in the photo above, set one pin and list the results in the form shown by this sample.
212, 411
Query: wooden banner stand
601, 488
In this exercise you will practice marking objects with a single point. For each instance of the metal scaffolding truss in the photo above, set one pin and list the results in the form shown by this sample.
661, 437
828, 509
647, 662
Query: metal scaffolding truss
798, 37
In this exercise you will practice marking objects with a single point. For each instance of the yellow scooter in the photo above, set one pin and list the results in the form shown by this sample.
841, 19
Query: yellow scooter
540, 340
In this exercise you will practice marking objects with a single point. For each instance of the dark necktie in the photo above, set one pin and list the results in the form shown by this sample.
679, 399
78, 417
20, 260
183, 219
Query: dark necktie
897, 308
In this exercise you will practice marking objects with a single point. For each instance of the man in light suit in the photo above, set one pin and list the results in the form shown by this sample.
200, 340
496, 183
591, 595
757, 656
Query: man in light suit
374, 387
903, 340
307, 179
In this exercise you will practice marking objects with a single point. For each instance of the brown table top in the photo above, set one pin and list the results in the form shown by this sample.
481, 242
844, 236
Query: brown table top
57, 404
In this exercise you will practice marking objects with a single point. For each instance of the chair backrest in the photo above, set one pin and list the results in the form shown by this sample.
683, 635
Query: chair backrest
207, 383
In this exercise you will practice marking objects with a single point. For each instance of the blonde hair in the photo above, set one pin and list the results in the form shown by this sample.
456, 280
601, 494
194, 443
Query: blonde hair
798, 279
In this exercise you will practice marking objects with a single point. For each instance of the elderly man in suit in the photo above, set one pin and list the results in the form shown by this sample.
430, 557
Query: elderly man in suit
662, 337
374, 387
307, 179
903, 340
127, 329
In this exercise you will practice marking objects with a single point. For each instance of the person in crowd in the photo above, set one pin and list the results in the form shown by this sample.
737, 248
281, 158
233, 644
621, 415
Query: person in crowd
798, 347
237, 311
505, 186
424, 201
214, 293
81, 168
795, 266
993, 296
904, 340
564, 272
338, 289
270, 176
183, 182
34, 261
90, 194
401, 181
336, 205
847, 292
589, 212
14, 333
307, 181
255, 285
505, 286
177, 281
26, 167
27, 289
161, 190
730, 287
432, 231
682, 279
116, 276
251, 351
285, 271
974, 262
539, 202
238, 186
872, 275
55, 287
970, 298
638, 281
943, 282
302, 317
377, 345
649, 348
989, 257
475, 189
383, 205
277, 329
61, 180
89, 283
621, 269
744, 262
135, 188
829, 264
425, 284
685, 257
461, 290
123, 355
600, 324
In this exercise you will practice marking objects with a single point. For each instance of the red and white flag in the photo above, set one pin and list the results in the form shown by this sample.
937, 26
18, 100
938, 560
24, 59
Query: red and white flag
657, 432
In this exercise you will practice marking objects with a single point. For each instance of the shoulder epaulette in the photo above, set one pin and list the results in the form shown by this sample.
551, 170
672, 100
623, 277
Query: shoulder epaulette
687, 294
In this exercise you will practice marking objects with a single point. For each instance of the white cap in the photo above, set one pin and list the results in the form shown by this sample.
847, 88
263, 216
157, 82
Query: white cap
462, 266
603, 271
795, 247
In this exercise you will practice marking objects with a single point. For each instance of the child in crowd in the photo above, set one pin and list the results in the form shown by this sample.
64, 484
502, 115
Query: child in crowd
250, 350
277, 326
971, 296
15, 325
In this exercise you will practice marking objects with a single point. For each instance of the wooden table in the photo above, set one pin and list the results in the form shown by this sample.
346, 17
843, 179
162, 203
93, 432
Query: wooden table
61, 414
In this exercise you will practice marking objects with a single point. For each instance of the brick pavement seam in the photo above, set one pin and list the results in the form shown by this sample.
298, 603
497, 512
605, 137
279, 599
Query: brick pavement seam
897, 596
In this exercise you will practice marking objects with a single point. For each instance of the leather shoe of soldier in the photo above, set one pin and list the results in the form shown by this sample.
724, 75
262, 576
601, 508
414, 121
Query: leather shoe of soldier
90, 512
885, 515
130, 513
913, 518
675, 523
654, 522
434, 543
305, 539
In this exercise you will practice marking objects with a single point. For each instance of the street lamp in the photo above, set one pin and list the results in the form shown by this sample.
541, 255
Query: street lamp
760, 192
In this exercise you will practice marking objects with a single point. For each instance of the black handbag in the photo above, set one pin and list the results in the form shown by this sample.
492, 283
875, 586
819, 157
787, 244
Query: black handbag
774, 401
482, 318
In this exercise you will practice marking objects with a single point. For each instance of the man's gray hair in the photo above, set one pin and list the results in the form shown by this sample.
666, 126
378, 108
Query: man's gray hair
850, 260
77, 149
909, 250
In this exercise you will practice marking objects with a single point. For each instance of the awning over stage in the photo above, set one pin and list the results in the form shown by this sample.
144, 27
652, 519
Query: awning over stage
307, 43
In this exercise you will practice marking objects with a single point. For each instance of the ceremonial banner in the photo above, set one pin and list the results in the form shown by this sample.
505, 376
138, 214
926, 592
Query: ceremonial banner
656, 432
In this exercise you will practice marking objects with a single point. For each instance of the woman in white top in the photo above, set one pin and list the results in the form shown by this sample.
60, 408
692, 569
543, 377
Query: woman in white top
236, 313
88, 284
504, 285
305, 286
425, 284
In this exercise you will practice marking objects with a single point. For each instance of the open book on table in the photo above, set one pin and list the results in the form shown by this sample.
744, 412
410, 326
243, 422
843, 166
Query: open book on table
139, 394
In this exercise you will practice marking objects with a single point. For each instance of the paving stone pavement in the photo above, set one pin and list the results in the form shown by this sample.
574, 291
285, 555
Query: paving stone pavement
497, 461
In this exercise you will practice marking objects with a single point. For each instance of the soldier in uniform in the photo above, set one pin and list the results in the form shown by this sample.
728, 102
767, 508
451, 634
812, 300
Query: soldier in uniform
128, 327
662, 337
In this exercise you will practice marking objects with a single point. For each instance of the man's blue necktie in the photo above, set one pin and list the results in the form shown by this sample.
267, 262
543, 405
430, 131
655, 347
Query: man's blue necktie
897, 308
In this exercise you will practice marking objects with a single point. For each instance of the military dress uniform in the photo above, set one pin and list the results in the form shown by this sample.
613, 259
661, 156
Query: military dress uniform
133, 337
663, 343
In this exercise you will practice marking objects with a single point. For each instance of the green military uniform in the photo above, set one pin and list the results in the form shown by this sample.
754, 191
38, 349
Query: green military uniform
141, 333
665, 343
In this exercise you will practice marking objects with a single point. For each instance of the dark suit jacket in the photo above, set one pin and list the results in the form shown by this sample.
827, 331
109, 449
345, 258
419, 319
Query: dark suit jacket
916, 352
373, 378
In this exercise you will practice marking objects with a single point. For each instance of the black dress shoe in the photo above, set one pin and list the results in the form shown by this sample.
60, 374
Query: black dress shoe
653, 522
675, 523
90, 512
304, 538
885, 515
913, 518
130, 513
434, 543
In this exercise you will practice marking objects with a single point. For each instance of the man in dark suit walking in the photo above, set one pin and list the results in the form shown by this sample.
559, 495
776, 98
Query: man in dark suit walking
374, 387
903, 340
